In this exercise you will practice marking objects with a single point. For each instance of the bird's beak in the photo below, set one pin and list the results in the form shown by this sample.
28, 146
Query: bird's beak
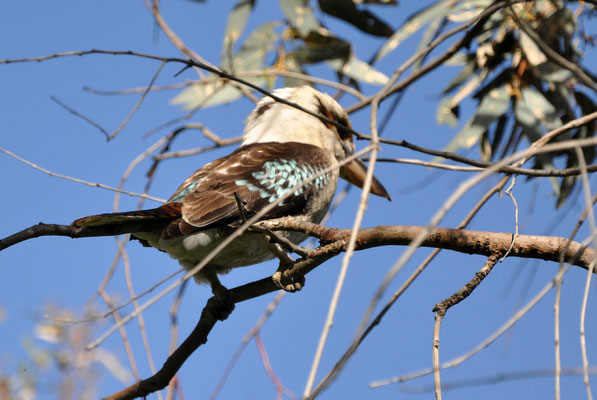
355, 172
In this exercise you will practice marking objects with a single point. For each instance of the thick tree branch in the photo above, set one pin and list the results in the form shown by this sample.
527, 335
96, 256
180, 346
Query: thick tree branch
464, 241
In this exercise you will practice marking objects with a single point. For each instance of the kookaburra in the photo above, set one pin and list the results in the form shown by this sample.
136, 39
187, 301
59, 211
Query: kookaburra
281, 147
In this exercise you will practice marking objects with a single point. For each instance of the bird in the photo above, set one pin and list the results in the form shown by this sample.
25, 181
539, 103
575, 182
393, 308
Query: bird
281, 147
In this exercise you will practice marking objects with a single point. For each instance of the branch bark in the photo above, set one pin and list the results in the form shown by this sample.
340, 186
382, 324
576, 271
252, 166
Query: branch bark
548, 248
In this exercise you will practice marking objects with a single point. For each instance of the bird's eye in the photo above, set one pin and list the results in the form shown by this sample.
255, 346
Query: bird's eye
344, 133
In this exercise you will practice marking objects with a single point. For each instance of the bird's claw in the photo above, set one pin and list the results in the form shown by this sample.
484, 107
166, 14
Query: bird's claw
293, 286
221, 305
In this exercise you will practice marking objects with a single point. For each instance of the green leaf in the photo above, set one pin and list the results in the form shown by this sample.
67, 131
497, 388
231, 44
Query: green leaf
430, 33
466, 10
447, 114
529, 110
319, 47
532, 52
300, 16
412, 25
364, 20
541, 108
498, 134
493, 105
358, 70
552, 73
464, 73
565, 189
235, 25
455, 100
485, 147
380, 2
586, 104
291, 65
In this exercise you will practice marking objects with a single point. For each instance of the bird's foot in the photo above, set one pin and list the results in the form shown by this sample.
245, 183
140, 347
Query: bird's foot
222, 304
292, 286
220, 307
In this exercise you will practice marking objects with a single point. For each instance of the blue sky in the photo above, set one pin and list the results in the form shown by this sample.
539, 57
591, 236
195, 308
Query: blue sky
65, 273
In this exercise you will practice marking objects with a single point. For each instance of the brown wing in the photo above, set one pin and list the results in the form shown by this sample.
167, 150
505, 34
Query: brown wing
260, 174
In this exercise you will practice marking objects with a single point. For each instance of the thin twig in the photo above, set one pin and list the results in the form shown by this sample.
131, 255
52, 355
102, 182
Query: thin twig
459, 360
123, 335
572, 171
69, 178
509, 193
140, 320
558, 361
442, 308
245, 340
174, 332
117, 308
583, 310
78, 114
280, 388
136, 107
497, 378
245, 74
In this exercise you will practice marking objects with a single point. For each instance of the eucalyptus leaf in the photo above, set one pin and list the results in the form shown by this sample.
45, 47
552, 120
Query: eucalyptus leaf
498, 134
446, 114
292, 65
459, 59
381, 2
528, 114
493, 105
235, 25
462, 76
412, 25
565, 189
533, 53
300, 16
485, 147
472, 84
553, 73
319, 47
466, 10
428, 35
541, 108
358, 70
364, 20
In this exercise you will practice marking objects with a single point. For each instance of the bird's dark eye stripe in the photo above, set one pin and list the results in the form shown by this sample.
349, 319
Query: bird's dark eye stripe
344, 134
341, 120
323, 111
263, 108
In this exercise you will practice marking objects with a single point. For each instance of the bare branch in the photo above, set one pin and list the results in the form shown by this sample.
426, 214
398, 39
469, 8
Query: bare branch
443, 306
78, 114
69, 178
136, 107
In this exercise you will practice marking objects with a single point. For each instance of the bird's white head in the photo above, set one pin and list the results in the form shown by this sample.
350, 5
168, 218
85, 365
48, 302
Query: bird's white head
273, 121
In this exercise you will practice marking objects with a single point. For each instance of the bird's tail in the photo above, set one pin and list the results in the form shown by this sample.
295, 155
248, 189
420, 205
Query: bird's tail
166, 212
